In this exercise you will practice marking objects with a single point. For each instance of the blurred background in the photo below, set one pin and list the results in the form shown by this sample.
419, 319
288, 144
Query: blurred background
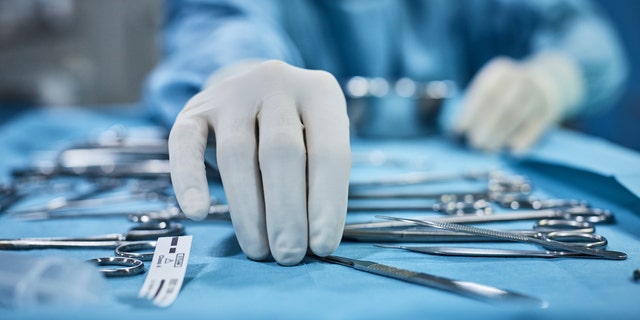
96, 52
61, 52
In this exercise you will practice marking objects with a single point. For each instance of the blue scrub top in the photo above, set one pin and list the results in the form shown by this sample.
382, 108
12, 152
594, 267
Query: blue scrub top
423, 40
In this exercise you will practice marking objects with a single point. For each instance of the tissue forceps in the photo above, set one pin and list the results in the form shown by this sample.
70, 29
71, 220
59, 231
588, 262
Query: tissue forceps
511, 236
465, 288
593, 215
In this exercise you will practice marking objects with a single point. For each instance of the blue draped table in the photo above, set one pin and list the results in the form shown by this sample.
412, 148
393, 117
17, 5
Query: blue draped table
222, 283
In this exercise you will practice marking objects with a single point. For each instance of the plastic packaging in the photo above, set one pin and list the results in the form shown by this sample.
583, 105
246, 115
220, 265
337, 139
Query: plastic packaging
27, 280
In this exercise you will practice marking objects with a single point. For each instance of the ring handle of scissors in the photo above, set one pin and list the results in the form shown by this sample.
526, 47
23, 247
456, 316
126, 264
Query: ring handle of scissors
131, 250
515, 200
124, 266
593, 215
587, 240
552, 225
461, 208
154, 229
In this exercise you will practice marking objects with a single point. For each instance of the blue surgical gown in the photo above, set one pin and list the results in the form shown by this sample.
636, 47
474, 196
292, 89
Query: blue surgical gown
424, 40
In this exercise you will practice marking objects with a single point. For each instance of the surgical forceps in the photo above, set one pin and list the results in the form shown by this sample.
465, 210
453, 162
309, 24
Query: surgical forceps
512, 236
578, 232
593, 215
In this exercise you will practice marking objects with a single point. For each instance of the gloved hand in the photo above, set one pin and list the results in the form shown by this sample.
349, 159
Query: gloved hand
511, 104
282, 143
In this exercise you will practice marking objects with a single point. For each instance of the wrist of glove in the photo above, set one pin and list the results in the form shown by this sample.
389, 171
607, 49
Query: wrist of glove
282, 148
511, 104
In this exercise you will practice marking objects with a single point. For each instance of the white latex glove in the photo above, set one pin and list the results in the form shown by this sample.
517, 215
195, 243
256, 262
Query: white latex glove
282, 136
511, 104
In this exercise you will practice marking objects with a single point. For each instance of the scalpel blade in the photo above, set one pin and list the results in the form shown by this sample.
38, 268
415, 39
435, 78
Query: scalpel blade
465, 288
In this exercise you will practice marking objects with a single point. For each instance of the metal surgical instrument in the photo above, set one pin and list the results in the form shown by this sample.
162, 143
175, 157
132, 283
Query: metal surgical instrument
479, 207
9, 195
217, 212
485, 252
80, 199
127, 266
146, 231
496, 179
421, 178
579, 232
510, 236
593, 215
525, 201
465, 288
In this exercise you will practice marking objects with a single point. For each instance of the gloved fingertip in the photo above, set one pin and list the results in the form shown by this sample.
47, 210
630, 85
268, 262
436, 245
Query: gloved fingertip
257, 255
195, 203
288, 254
323, 247
289, 257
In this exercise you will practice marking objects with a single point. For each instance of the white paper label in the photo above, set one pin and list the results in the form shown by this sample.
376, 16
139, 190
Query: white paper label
166, 270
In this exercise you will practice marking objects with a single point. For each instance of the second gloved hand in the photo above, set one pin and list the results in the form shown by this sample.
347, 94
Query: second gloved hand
282, 143
511, 104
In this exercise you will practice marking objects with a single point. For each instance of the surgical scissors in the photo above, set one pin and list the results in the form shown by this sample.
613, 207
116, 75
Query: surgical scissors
141, 237
151, 230
513, 236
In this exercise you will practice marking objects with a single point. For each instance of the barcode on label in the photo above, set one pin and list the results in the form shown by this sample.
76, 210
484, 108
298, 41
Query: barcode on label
166, 273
